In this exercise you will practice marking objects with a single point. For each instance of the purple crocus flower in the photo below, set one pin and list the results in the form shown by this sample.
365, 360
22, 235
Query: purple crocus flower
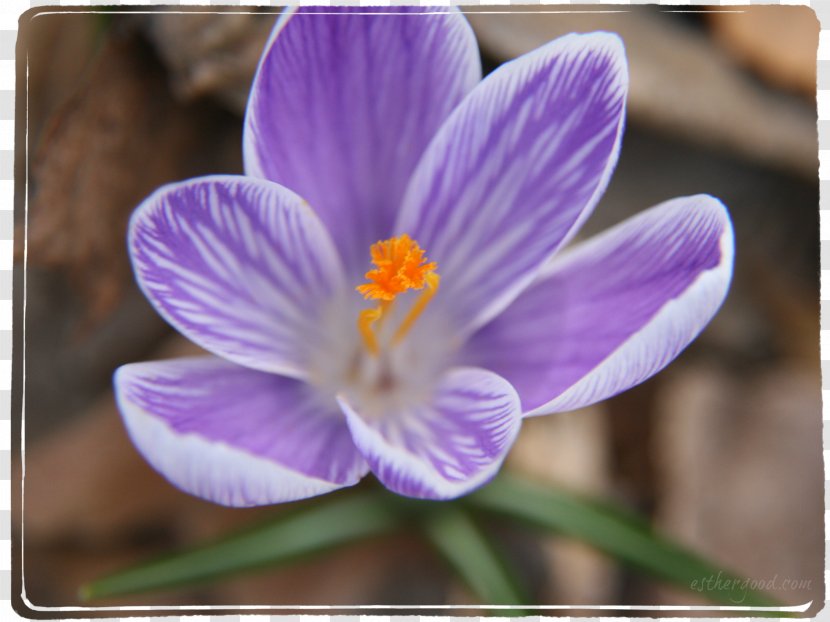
377, 159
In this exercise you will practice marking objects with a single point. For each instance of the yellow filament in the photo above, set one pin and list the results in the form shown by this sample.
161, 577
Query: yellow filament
366, 319
432, 279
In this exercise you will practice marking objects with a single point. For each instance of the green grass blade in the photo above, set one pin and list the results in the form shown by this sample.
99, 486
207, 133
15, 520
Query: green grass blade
458, 539
619, 534
286, 538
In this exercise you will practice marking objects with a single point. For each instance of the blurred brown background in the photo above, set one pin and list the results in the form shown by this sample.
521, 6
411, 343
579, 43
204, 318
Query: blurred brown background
722, 450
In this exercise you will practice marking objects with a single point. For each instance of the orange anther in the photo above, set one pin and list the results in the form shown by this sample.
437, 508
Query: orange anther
400, 265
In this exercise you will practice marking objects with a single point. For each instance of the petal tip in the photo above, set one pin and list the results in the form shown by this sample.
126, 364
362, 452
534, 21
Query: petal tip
604, 42
720, 213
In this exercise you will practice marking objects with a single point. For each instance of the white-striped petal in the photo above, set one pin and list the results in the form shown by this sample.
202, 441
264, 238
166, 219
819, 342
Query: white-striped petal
343, 104
445, 447
516, 169
241, 266
614, 310
233, 435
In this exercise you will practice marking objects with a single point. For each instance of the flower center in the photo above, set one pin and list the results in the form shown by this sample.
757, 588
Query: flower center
400, 265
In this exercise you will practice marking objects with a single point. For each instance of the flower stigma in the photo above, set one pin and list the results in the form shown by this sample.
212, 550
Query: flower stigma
400, 265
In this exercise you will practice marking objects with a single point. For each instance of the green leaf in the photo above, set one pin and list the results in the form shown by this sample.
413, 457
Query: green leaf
286, 538
619, 534
459, 540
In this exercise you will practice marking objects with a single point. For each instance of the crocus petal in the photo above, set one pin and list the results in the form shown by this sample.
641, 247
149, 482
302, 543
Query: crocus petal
343, 105
445, 448
615, 309
233, 435
240, 266
516, 169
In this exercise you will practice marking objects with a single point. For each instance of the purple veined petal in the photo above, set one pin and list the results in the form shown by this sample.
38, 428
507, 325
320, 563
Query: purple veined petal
241, 266
233, 435
446, 448
516, 169
614, 310
344, 103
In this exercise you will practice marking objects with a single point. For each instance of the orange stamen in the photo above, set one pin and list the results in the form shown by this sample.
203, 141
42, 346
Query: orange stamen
400, 265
